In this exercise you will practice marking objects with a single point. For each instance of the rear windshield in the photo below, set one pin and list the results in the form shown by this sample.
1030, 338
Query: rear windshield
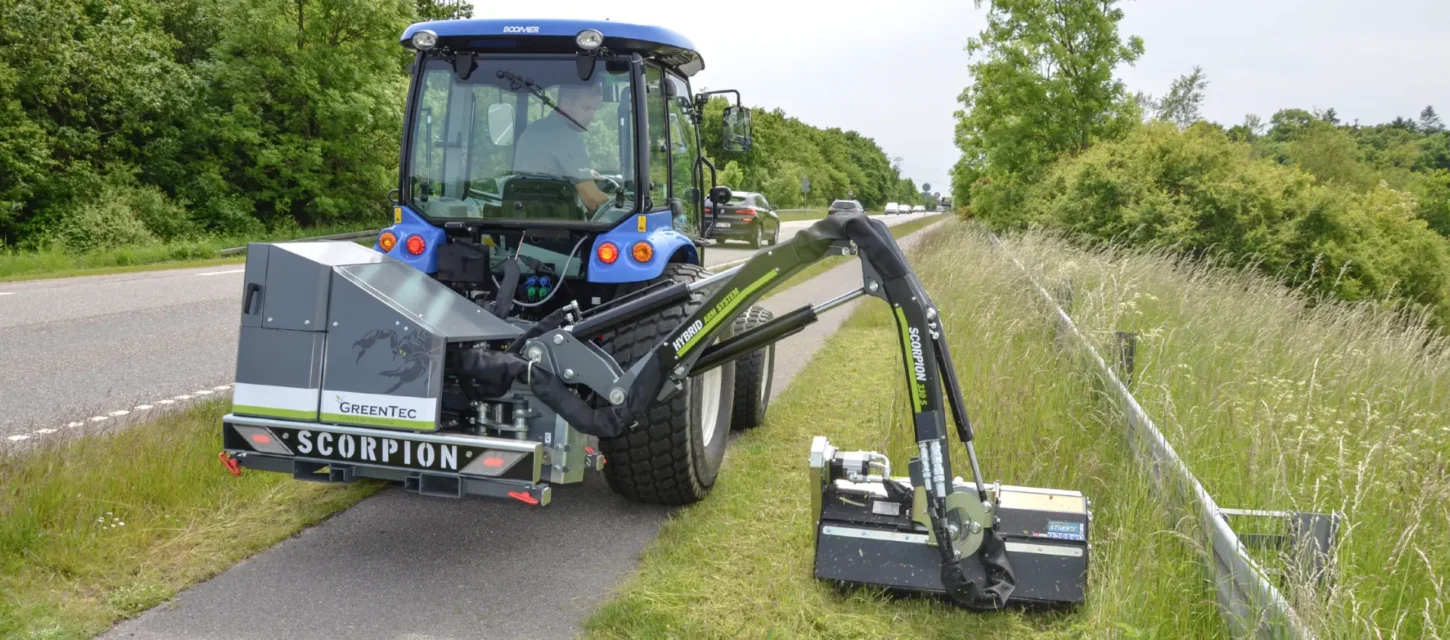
843, 204
739, 200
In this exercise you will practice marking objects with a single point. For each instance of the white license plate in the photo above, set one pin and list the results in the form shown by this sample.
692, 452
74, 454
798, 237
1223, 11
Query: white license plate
723, 225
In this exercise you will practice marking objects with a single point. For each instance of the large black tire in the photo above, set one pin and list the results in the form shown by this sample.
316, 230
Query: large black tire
673, 455
752, 375
759, 232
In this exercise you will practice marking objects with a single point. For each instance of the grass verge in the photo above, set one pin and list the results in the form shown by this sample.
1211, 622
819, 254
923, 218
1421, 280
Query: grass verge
58, 263
739, 564
791, 216
1276, 403
99, 528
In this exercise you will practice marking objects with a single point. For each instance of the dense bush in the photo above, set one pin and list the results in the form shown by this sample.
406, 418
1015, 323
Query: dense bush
1198, 191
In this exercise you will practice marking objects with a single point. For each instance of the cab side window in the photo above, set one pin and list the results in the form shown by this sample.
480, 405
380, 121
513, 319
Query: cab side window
684, 150
659, 146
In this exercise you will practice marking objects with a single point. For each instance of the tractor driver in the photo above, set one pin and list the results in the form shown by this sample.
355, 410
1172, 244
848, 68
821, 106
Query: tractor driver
554, 145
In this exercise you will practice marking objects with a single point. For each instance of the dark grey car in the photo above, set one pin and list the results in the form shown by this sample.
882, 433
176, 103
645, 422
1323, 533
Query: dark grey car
843, 206
747, 216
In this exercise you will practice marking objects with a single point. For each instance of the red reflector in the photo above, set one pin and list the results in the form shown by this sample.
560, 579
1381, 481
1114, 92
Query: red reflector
230, 464
588, 449
524, 497
416, 245
493, 462
261, 438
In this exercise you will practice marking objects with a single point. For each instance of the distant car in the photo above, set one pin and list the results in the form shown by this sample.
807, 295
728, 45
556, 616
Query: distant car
747, 216
891, 207
918, 209
845, 206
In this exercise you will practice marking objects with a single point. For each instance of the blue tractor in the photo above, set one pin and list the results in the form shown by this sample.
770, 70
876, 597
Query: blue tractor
542, 292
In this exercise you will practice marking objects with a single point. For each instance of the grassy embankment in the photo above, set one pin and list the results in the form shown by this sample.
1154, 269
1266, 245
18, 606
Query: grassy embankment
59, 263
1279, 404
98, 528
739, 564
69, 568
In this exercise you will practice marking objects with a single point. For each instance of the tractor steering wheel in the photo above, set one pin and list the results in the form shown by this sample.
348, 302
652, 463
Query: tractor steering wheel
607, 184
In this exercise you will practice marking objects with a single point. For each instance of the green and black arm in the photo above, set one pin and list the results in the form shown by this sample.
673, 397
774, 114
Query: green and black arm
982, 579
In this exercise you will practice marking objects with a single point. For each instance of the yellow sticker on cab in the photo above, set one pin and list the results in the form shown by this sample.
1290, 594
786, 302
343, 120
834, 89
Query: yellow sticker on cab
397, 215
641, 223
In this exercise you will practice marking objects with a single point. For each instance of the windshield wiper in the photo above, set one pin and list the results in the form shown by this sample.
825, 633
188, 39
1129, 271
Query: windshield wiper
528, 83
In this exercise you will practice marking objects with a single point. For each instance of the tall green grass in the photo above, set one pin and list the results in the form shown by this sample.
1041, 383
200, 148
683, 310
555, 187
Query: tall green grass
739, 564
1277, 401
98, 528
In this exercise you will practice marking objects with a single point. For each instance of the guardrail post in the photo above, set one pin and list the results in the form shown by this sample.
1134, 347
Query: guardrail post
1126, 344
1314, 536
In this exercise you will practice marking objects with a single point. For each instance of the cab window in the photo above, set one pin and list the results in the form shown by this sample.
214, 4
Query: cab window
684, 151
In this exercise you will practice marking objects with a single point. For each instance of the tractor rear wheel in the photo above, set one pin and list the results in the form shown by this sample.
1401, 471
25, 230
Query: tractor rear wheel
673, 455
752, 374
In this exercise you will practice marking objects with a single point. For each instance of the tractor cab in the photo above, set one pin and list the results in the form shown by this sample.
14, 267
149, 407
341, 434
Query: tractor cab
570, 149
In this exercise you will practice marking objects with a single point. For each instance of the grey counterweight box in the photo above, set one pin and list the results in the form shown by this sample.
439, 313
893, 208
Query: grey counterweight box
282, 342
340, 333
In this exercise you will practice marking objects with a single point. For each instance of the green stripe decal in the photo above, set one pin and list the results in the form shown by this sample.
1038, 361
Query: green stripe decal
270, 412
726, 309
915, 389
375, 421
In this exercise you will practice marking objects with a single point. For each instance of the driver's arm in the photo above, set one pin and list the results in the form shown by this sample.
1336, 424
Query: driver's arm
590, 194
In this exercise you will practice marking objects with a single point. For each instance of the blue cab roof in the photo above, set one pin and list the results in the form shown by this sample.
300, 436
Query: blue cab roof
669, 45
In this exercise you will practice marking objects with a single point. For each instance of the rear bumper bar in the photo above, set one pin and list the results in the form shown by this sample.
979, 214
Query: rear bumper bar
444, 465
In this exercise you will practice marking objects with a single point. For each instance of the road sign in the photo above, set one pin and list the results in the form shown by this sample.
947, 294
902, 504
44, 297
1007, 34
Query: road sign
925, 186
805, 185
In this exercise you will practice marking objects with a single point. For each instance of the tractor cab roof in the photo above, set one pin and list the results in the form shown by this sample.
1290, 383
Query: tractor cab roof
557, 36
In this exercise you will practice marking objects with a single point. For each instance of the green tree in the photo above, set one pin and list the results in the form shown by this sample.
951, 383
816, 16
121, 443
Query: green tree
1430, 121
1184, 102
1043, 86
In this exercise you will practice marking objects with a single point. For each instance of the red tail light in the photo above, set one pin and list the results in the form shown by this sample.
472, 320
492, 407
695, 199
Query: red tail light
746, 213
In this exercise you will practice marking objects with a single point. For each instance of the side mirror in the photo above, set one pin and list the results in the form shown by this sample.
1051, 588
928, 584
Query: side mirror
737, 129
720, 195
501, 124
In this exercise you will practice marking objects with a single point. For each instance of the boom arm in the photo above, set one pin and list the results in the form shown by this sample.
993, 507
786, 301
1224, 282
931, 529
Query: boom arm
980, 580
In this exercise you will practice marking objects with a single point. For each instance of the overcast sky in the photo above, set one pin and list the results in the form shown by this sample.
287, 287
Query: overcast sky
892, 70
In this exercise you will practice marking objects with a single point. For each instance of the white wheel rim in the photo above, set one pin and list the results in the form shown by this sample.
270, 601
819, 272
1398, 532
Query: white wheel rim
765, 377
709, 391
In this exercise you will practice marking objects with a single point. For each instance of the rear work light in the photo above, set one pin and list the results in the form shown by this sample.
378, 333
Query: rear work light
608, 253
416, 245
387, 241
642, 251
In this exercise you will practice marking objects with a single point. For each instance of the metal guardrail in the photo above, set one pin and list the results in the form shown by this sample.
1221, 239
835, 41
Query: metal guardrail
352, 235
1250, 605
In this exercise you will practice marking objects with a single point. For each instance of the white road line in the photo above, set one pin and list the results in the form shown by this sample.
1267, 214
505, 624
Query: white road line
17, 438
223, 387
182, 397
117, 414
45, 432
166, 401
72, 425
221, 273
203, 392
7, 293
141, 407
99, 418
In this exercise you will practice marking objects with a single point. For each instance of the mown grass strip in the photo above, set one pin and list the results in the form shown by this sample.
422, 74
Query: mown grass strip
792, 216
739, 564
98, 528
1276, 401
56, 262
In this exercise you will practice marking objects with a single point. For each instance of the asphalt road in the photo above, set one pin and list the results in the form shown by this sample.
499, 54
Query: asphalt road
99, 351
401, 566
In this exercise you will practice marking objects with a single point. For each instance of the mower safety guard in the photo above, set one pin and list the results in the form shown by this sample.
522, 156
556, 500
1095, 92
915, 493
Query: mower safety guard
975, 570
